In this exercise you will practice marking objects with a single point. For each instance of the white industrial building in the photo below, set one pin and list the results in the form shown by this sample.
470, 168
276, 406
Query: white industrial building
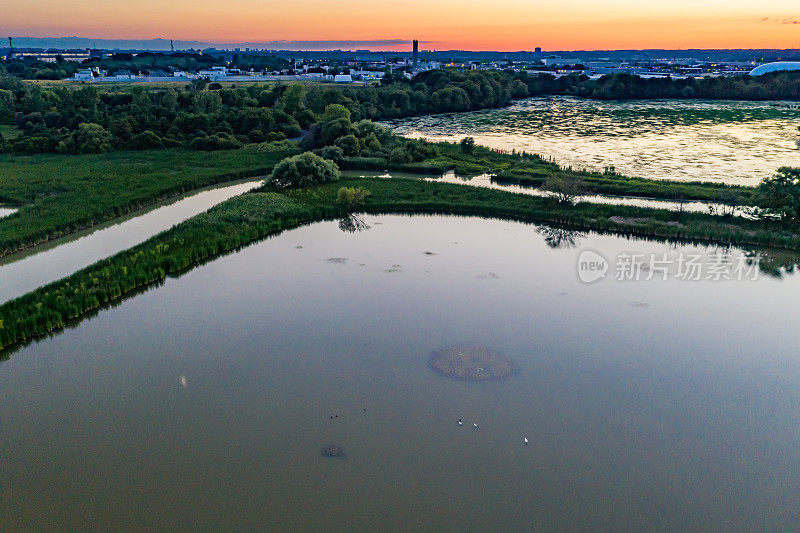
778, 66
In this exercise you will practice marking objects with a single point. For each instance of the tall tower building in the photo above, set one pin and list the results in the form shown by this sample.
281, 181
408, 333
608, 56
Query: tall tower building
414, 53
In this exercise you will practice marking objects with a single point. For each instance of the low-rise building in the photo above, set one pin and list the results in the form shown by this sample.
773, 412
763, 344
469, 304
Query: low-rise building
84, 75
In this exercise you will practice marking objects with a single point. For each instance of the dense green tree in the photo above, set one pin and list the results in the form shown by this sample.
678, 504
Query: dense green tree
780, 195
217, 141
303, 170
349, 145
467, 145
208, 102
146, 139
449, 99
292, 100
6, 106
334, 123
334, 153
87, 139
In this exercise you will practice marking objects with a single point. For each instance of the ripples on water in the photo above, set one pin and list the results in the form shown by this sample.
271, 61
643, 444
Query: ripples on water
729, 141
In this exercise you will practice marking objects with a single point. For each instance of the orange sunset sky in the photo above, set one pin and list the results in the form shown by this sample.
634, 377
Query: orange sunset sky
440, 24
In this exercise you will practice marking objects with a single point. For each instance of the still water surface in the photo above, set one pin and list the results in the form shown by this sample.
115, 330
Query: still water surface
728, 141
205, 402
486, 181
25, 271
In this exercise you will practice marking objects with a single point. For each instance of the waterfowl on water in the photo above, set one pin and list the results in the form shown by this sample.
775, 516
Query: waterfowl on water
526, 441
460, 423
475, 424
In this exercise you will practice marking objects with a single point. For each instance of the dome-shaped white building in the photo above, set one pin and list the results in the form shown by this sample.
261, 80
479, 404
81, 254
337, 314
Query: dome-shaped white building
775, 67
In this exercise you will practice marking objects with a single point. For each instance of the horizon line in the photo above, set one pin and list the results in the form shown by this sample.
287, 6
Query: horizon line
268, 45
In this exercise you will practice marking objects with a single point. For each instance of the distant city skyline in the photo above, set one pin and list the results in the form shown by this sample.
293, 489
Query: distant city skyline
446, 24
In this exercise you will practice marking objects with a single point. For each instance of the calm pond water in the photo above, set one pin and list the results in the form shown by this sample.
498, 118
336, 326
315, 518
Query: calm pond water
205, 402
733, 142
25, 271
485, 181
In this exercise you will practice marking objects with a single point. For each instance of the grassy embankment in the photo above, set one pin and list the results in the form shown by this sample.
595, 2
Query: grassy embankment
256, 215
60, 194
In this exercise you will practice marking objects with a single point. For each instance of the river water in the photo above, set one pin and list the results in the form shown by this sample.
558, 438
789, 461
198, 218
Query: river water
204, 403
25, 271
728, 141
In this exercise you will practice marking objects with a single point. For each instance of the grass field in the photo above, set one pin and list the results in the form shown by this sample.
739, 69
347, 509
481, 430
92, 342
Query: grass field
58, 194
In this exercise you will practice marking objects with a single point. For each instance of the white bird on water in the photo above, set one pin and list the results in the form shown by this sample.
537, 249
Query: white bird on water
460, 423
526, 441
475, 424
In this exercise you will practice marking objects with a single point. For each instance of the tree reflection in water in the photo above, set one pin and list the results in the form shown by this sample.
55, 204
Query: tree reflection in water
556, 237
353, 223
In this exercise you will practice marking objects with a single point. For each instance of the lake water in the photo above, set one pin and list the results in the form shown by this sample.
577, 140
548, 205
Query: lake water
728, 141
205, 402
27, 270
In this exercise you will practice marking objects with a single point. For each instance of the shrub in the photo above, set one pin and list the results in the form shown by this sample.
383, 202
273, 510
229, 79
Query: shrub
89, 138
33, 145
351, 197
348, 144
467, 145
219, 141
303, 170
257, 136
274, 136
399, 155
334, 153
780, 194
146, 139
565, 187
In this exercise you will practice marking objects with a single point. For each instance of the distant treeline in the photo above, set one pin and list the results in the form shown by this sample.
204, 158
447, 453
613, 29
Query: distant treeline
30, 68
776, 86
209, 117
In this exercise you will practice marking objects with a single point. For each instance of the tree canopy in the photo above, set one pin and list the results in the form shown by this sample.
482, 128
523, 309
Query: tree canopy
303, 170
